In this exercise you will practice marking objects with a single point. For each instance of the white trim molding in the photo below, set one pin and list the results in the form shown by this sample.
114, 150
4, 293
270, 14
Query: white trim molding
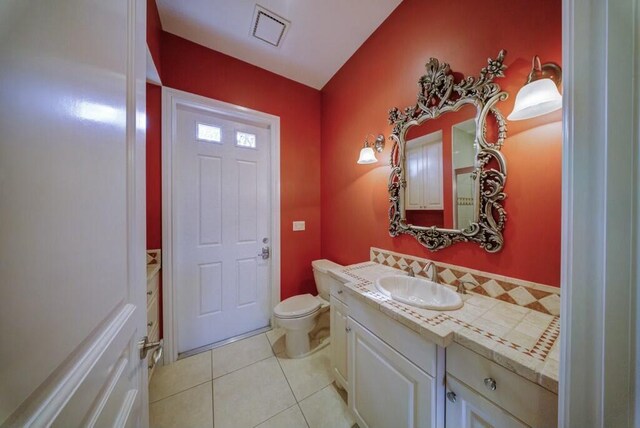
599, 217
171, 98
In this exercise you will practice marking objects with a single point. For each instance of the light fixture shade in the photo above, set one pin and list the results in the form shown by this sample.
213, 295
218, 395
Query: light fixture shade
535, 99
367, 156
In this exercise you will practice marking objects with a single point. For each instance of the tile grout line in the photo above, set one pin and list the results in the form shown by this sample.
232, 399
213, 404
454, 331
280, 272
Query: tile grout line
180, 392
293, 405
213, 420
238, 369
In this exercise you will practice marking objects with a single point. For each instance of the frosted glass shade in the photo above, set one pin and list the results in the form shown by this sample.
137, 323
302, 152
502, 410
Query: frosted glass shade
367, 156
535, 99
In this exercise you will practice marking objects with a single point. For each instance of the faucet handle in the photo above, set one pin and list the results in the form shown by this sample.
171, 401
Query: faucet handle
409, 271
461, 285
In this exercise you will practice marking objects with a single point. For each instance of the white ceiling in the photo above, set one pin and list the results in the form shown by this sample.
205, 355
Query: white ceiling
322, 36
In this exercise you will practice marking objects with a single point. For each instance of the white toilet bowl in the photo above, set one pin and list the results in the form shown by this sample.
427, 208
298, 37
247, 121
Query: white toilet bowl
298, 315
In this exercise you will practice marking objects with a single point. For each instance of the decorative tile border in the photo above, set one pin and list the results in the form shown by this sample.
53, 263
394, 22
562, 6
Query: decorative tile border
153, 257
521, 339
539, 297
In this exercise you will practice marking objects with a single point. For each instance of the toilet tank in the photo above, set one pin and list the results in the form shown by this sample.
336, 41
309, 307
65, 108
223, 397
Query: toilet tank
322, 277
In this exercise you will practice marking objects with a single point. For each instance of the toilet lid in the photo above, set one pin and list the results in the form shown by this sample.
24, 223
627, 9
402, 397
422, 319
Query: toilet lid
297, 306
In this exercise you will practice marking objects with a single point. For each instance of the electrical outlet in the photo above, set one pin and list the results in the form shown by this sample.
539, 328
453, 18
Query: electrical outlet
298, 226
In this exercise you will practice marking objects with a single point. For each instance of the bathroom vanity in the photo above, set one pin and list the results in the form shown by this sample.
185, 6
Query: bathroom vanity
408, 367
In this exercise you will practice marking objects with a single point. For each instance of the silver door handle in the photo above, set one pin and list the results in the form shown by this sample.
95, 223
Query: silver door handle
145, 346
265, 253
155, 358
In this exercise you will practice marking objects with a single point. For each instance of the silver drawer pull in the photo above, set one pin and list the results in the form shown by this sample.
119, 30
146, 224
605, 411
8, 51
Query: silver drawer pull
451, 396
150, 324
490, 383
339, 291
347, 329
149, 293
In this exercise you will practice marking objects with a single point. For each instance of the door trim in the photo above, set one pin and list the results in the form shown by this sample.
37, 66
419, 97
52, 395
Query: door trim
171, 99
600, 215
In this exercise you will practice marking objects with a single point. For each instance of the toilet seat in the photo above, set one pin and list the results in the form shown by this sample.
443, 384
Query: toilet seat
297, 306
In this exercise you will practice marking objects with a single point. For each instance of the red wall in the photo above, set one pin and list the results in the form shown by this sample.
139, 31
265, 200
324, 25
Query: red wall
199, 70
154, 167
384, 73
154, 33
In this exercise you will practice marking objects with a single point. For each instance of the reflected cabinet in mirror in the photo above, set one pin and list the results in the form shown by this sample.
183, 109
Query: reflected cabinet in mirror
447, 172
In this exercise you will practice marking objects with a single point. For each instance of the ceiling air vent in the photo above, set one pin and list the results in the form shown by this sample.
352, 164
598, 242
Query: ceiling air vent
268, 27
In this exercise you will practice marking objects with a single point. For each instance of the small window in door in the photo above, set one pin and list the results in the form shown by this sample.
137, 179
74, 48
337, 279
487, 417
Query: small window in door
211, 134
244, 139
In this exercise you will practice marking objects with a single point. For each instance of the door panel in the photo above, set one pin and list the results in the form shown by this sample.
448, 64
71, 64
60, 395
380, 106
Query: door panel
221, 214
339, 341
470, 410
386, 389
72, 235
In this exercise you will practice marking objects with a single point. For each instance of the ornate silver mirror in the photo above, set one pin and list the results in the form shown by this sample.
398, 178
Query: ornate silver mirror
447, 172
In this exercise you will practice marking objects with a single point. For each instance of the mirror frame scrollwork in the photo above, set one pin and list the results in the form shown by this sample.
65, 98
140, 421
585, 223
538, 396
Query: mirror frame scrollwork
439, 94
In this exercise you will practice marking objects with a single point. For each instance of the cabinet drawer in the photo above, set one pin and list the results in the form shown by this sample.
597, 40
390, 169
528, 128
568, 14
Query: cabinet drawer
152, 316
522, 398
152, 287
337, 290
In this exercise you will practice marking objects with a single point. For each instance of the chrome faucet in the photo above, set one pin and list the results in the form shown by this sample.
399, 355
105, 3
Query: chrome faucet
433, 276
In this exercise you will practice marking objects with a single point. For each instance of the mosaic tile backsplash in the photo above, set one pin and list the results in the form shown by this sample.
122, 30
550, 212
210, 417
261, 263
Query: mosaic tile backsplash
531, 295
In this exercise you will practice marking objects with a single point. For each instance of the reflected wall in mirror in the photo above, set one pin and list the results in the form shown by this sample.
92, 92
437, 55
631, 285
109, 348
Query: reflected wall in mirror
448, 175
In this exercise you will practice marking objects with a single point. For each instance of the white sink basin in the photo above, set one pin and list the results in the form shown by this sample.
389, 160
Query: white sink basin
419, 292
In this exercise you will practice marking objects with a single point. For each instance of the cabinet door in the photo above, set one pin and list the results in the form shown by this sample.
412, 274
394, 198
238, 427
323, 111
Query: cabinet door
415, 178
466, 408
386, 389
339, 342
433, 179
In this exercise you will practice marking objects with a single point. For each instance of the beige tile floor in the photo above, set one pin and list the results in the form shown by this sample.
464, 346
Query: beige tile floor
246, 384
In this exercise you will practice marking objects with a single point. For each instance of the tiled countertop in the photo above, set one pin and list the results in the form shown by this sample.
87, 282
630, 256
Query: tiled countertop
524, 341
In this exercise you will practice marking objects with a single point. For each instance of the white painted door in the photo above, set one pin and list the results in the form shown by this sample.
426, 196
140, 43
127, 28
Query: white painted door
466, 408
221, 221
72, 210
385, 388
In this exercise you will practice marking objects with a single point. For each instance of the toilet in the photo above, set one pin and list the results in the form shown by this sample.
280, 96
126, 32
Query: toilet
298, 315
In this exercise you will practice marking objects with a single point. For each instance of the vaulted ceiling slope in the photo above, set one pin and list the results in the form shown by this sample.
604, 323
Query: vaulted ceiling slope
322, 36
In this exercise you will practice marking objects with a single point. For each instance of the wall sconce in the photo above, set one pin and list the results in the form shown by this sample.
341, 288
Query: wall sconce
540, 94
367, 155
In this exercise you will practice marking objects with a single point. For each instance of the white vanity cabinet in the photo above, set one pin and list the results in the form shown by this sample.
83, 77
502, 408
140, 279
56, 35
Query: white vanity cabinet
424, 189
339, 368
393, 373
481, 393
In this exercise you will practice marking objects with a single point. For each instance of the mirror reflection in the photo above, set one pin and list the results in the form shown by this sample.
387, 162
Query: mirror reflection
440, 161
447, 177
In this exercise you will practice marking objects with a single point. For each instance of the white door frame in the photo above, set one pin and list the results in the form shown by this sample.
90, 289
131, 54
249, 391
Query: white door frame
171, 99
600, 214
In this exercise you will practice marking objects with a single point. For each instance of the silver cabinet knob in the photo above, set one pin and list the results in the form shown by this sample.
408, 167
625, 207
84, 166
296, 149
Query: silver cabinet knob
451, 396
347, 329
149, 293
490, 383
150, 323
339, 291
